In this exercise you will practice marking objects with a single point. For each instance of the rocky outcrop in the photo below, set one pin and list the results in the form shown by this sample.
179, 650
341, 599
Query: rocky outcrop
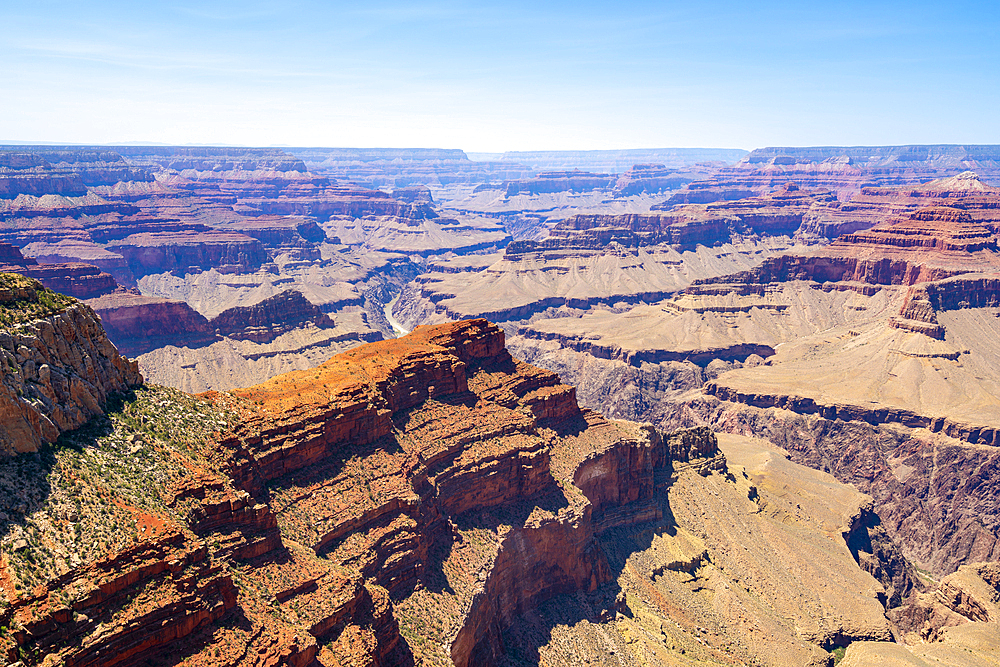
649, 178
407, 501
704, 192
823, 268
268, 319
82, 281
137, 324
186, 590
279, 232
462, 411
633, 230
965, 291
557, 181
59, 371
924, 301
186, 251
876, 204
328, 201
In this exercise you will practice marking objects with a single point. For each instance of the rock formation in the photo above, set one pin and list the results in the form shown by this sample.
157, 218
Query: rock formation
875, 204
847, 170
59, 367
189, 251
82, 281
650, 178
270, 318
427, 499
137, 324
66, 172
556, 181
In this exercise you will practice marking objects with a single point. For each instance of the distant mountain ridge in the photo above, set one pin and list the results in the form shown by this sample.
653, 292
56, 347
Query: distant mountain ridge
613, 161
905, 153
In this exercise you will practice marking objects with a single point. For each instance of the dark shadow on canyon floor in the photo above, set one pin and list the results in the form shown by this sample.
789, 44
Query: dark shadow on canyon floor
534, 629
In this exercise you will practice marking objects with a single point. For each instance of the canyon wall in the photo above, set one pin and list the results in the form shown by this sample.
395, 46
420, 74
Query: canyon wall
59, 367
408, 501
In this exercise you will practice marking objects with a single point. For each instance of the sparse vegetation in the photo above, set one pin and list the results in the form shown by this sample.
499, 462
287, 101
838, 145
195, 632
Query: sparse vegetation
25, 299
104, 486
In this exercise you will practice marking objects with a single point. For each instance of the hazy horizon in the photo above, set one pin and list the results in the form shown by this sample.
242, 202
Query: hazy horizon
493, 78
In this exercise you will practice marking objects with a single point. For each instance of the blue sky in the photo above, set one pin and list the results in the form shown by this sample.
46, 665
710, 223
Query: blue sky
501, 76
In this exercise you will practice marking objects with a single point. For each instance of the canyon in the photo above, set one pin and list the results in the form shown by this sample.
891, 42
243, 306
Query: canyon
875, 347
758, 425
432, 500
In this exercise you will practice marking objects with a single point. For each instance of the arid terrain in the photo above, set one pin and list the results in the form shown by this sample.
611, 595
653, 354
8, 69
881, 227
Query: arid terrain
673, 406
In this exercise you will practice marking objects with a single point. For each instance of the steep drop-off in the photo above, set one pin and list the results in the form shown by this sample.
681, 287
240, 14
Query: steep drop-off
58, 366
427, 499
872, 357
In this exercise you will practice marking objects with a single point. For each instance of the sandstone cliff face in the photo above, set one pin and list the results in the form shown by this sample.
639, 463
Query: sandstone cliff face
138, 324
157, 252
268, 319
82, 281
923, 302
324, 201
650, 178
58, 370
279, 232
410, 500
66, 172
558, 181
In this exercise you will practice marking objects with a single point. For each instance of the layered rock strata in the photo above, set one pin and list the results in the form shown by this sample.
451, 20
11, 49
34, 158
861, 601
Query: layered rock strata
82, 281
650, 178
407, 501
270, 318
137, 324
846, 170
59, 366
557, 181
875, 204
589, 260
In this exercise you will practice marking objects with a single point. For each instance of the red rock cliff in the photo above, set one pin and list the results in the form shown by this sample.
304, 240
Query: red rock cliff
318, 526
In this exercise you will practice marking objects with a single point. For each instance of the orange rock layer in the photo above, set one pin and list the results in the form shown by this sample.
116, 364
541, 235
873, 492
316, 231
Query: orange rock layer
346, 490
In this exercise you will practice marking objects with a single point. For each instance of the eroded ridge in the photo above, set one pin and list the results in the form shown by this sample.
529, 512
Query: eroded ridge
312, 519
